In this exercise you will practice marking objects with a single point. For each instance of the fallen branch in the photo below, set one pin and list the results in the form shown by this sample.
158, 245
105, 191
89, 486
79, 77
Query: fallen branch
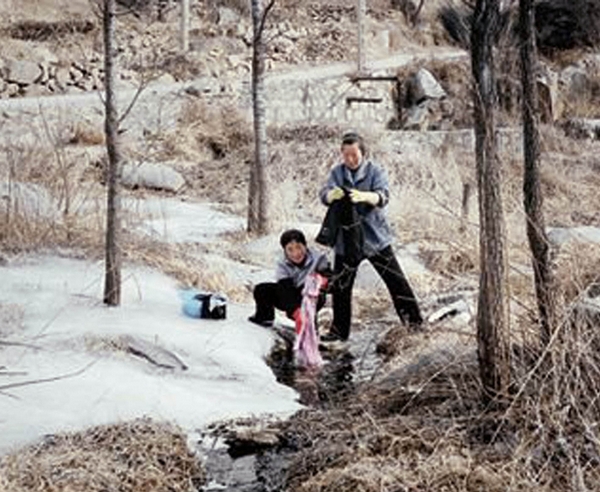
47, 380
18, 344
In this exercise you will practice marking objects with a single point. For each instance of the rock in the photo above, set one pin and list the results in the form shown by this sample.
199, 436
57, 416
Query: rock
587, 311
41, 54
203, 85
567, 24
73, 89
451, 310
153, 353
22, 72
228, 17
165, 79
86, 84
250, 440
549, 101
583, 234
576, 81
235, 61
152, 175
45, 73
63, 77
28, 200
416, 117
293, 34
422, 86
36, 90
75, 74
12, 90
584, 128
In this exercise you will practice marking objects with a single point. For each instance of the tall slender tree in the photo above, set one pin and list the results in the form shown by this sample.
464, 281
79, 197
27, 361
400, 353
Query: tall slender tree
492, 311
532, 194
258, 220
112, 278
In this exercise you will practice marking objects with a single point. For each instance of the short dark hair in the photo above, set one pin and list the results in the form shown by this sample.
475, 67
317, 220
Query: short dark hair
292, 235
351, 138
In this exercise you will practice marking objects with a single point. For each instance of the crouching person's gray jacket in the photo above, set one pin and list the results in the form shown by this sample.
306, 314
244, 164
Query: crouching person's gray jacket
314, 262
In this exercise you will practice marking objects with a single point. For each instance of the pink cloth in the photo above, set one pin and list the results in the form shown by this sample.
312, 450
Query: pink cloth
306, 346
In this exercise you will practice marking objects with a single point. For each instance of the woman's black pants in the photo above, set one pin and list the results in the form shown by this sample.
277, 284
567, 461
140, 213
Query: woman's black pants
388, 268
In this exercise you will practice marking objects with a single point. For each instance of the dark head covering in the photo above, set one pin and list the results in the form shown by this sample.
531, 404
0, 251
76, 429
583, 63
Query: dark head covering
352, 137
292, 235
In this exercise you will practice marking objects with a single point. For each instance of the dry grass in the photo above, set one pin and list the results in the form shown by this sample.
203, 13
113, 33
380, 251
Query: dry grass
74, 221
422, 426
139, 456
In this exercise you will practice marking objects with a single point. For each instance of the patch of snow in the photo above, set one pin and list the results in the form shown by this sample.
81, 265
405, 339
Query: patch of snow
583, 234
68, 328
175, 221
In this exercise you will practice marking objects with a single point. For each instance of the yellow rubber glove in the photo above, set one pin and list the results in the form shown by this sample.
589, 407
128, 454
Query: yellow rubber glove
334, 194
370, 197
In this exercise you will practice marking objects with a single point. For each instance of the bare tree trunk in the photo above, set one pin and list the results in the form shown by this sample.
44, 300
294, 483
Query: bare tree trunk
257, 194
536, 231
361, 9
492, 312
185, 25
112, 279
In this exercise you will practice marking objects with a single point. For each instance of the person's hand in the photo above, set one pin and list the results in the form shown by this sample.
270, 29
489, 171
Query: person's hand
370, 197
334, 194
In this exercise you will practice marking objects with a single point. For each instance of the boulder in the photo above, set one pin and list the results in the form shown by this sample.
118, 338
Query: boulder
11, 90
454, 309
152, 175
423, 86
41, 54
28, 200
203, 85
585, 128
587, 311
22, 72
45, 73
228, 17
76, 74
575, 81
63, 77
165, 79
153, 353
416, 117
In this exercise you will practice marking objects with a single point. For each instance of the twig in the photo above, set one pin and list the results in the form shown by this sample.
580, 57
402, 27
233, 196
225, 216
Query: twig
48, 380
138, 93
263, 21
19, 344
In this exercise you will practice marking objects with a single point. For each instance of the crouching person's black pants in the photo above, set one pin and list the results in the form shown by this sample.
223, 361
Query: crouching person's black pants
389, 270
282, 295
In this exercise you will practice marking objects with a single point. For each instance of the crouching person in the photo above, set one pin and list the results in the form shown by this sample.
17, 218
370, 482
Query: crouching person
285, 294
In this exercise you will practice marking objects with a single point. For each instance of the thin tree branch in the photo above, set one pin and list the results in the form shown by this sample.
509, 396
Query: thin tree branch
47, 380
138, 93
19, 344
263, 20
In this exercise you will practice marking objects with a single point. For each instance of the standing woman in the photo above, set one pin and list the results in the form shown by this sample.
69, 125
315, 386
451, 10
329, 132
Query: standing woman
365, 185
